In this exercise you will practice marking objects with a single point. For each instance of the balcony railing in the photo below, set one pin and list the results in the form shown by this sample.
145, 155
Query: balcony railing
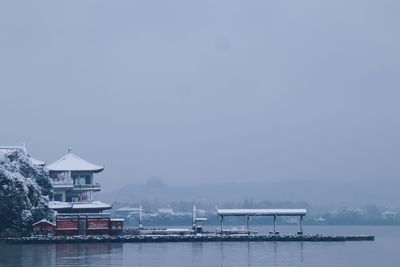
87, 186
63, 182
70, 183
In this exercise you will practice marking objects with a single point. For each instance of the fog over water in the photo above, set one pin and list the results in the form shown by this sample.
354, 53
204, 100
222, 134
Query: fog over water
208, 92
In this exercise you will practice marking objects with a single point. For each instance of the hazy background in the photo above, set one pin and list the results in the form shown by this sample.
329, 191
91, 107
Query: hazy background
203, 92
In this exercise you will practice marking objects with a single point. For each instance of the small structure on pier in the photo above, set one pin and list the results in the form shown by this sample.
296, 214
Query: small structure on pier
262, 212
44, 227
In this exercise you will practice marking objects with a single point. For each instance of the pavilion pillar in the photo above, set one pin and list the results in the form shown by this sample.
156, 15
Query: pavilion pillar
140, 218
222, 223
274, 224
301, 224
194, 220
247, 224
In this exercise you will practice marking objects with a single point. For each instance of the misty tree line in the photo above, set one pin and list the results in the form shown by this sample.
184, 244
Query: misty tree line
369, 214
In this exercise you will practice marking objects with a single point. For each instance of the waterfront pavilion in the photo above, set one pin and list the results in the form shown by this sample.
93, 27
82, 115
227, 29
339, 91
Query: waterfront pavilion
262, 212
72, 179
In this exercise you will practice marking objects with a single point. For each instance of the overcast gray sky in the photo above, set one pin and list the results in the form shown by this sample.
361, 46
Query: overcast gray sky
205, 91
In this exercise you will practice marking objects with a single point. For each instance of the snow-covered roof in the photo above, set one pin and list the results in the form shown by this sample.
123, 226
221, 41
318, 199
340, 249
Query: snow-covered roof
78, 205
44, 221
127, 209
93, 204
262, 212
37, 162
59, 205
72, 162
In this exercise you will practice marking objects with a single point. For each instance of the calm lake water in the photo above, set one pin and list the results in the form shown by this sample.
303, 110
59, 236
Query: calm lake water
384, 251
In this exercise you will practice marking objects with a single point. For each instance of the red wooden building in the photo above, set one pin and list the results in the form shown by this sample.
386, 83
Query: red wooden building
88, 224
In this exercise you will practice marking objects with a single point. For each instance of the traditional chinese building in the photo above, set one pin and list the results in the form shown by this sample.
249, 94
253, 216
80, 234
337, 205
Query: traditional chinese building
74, 187
77, 213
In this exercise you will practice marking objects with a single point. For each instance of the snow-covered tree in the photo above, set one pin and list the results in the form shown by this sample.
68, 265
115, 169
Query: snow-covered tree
25, 190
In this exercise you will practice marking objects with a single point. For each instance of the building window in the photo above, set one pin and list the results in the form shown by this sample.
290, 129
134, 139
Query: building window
82, 179
76, 179
57, 197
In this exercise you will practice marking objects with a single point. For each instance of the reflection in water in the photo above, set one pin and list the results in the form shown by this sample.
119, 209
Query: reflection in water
248, 254
155, 254
83, 254
27, 255
222, 253
268, 253
311, 254
140, 252
197, 254
301, 253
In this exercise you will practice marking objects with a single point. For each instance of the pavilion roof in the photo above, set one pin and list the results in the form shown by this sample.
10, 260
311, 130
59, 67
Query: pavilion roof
44, 221
37, 161
58, 205
262, 212
71, 162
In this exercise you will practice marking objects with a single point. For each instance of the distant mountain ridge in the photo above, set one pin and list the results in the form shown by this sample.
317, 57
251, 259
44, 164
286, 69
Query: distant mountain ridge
321, 193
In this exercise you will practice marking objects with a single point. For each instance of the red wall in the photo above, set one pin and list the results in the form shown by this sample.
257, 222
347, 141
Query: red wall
98, 223
72, 224
101, 226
